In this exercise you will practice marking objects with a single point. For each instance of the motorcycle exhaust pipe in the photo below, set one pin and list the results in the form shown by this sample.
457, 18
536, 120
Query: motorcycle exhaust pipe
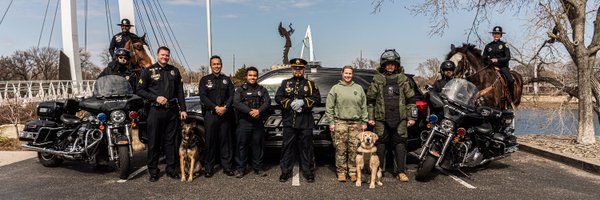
493, 159
44, 150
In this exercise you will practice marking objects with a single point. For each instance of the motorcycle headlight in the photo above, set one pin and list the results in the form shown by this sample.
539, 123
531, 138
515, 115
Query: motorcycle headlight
447, 125
117, 116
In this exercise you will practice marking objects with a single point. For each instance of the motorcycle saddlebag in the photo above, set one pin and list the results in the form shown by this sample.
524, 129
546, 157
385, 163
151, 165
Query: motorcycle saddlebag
32, 129
50, 110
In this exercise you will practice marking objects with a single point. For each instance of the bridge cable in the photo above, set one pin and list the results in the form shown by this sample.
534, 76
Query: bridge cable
112, 31
53, 22
151, 27
85, 25
172, 44
171, 29
43, 24
142, 24
6, 11
108, 32
162, 35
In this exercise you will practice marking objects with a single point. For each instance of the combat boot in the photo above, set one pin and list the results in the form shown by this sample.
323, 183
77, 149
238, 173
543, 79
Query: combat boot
402, 177
341, 177
353, 178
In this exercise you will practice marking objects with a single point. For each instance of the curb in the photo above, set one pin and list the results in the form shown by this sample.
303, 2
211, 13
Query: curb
568, 160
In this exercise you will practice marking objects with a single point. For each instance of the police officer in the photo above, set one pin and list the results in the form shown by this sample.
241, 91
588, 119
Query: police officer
447, 70
297, 96
252, 103
120, 67
162, 85
497, 54
119, 40
216, 94
389, 109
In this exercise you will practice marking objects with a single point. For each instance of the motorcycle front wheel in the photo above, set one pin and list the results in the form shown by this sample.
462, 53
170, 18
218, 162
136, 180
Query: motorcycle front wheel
49, 160
425, 168
123, 162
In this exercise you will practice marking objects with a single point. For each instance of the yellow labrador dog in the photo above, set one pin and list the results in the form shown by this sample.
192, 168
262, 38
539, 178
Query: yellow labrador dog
368, 151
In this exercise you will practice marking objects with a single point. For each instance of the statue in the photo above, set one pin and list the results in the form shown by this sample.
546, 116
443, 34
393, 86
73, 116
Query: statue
288, 42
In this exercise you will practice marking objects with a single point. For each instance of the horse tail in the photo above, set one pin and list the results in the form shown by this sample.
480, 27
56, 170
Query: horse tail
518, 87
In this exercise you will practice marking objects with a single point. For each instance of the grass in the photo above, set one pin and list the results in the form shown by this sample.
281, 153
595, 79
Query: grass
9, 144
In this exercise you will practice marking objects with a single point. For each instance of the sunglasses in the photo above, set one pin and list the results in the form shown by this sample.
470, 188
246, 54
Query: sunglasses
121, 57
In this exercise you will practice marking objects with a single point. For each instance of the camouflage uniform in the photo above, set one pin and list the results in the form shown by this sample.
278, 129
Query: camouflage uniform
346, 108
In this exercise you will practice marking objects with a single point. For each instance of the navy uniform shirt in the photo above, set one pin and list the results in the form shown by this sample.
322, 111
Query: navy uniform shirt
119, 40
216, 91
298, 88
158, 81
248, 97
499, 50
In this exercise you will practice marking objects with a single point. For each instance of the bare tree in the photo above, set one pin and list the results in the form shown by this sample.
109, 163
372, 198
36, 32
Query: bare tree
16, 110
429, 69
45, 62
565, 22
363, 63
89, 70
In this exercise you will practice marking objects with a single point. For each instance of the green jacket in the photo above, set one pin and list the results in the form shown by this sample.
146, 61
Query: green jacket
375, 104
347, 102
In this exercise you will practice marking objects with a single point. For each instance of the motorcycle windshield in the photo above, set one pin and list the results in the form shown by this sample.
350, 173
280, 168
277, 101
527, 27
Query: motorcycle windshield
112, 86
461, 91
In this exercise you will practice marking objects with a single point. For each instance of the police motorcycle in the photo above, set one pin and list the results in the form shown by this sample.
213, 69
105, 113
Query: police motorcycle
101, 137
463, 134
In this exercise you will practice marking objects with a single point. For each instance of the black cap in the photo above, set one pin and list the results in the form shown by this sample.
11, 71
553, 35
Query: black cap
497, 29
298, 63
125, 22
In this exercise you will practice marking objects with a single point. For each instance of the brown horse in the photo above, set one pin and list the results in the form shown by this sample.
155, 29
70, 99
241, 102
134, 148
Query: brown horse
139, 58
492, 86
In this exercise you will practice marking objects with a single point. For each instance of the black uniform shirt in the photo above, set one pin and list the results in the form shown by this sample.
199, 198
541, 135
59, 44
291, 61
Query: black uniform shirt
499, 50
158, 81
216, 91
115, 68
248, 97
119, 40
298, 88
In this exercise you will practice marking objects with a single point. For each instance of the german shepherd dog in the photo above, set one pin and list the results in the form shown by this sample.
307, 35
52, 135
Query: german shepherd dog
368, 151
189, 152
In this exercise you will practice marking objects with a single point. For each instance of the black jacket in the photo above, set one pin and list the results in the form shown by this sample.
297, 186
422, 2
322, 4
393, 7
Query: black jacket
118, 41
161, 81
216, 91
247, 97
298, 88
439, 84
499, 50
114, 68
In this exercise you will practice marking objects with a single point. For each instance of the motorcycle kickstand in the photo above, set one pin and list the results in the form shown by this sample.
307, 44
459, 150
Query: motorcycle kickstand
465, 174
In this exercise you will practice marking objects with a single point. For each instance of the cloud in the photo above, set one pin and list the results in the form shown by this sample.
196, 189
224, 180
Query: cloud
230, 16
303, 3
186, 2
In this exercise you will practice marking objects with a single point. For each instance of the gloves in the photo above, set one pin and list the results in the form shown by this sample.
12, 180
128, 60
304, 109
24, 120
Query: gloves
297, 105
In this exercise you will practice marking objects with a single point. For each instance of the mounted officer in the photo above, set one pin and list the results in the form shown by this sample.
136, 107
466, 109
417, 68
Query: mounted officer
447, 71
119, 40
389, 109
497, 54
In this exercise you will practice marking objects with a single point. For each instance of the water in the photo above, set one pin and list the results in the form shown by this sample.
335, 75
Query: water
549, 122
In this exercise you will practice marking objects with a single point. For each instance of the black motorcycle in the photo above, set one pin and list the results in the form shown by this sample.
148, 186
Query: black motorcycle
101, 136
464, 135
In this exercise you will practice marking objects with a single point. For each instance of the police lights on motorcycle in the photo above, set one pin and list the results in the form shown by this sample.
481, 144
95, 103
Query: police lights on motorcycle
133, 115
461, 132
117, 116
447, 125
433, 119
101, 117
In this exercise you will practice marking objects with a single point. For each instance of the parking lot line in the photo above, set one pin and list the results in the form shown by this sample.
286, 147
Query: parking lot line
464, 183
140, 170
296, 178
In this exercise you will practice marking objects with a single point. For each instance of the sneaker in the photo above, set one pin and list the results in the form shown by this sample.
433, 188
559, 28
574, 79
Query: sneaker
260, 173
342, 177
239, 174
402, 177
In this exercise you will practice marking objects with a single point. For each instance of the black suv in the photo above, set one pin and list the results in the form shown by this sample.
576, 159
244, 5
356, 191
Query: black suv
325, 78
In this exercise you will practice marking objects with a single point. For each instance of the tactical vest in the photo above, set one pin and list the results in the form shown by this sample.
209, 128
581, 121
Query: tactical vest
252, 96
391, 98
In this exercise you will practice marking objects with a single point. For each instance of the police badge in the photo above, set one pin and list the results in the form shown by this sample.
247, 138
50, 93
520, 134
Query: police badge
259, 93
224, 82
209, 84
118, 38
126, 77
305, 88
500, 47
172, 72
288, 89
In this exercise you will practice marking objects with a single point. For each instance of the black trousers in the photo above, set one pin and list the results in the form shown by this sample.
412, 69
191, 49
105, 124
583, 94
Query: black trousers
392, 141
250, 136
300, 139
162, 128
509, 80
218, 140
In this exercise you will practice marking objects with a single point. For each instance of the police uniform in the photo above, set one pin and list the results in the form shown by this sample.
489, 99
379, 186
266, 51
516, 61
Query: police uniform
163, 120
217, 90
119, 40
297, 126
499, 50
116, 68
250, 132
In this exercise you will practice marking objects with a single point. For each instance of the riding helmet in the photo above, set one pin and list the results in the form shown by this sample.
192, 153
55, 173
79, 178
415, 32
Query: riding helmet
389, 55
447, 65
122, 52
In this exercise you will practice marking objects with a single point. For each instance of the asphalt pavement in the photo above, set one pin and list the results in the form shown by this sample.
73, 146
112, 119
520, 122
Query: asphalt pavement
520, 176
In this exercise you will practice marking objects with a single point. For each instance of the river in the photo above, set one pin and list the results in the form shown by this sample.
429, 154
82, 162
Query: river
549, 122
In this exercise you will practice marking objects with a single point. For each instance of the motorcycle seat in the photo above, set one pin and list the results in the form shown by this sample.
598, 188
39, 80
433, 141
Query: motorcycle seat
70, 119
484, 128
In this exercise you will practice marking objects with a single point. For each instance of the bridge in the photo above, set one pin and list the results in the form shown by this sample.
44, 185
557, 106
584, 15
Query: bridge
43, 90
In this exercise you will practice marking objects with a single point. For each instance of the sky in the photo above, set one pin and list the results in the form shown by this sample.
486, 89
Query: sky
247, 29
